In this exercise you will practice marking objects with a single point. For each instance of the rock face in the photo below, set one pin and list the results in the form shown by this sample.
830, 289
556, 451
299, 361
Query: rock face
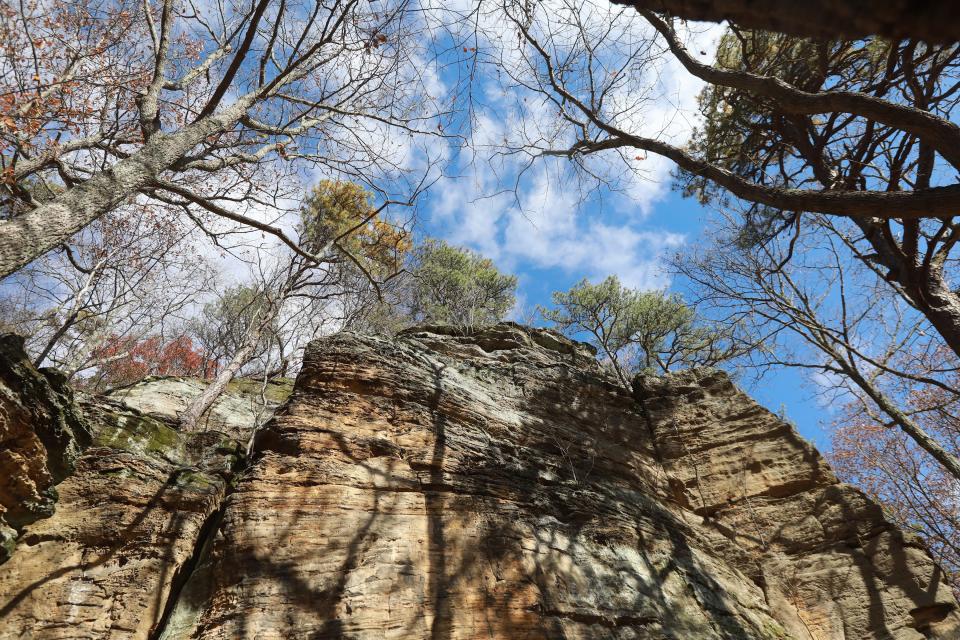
129, 518
490, 484
830, 564
41, 436
246, 402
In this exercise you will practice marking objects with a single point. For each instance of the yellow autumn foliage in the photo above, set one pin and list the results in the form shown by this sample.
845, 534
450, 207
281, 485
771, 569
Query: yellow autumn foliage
333, 208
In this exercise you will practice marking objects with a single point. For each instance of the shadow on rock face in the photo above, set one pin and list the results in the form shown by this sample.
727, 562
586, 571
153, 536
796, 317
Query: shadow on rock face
42, 434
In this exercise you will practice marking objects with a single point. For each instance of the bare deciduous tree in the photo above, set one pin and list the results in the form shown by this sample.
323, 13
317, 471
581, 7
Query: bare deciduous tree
826, 313
290, 293
199, 106
920, 496
130, 275
861, 131
589, 70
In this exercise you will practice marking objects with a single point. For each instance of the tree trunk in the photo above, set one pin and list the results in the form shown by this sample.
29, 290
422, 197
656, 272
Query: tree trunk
30, 235
940, 306
929, 21
191, 416
927, 290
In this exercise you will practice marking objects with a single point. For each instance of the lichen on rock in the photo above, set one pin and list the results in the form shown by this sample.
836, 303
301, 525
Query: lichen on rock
245, 401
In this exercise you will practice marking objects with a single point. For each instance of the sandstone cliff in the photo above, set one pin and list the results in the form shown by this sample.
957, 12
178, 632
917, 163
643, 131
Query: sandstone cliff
492, 484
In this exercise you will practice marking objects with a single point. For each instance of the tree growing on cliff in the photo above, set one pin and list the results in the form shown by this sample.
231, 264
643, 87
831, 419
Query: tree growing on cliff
223, 326
640, 330
457, 286
280, 310
441, 284
206, 108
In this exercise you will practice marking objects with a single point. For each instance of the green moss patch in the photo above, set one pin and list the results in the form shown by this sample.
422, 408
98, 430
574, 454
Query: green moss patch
141, 435
277, 390
196, 480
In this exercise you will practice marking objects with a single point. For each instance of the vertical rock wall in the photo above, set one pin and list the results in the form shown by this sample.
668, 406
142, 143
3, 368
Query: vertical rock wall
498, 485
490, 484
119, 535
41, 436
830, 563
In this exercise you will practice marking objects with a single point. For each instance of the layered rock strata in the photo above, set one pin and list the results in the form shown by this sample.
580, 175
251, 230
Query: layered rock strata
119, 534
486, 484
499, 485
244, 403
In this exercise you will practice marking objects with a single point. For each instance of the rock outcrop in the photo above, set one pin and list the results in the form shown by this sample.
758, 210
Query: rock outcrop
133, 507
486, 484
244, 403
41, 436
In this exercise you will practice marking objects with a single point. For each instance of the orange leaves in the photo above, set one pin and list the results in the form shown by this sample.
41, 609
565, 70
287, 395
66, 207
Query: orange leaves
334, 208
890, 467
376, 40
125, 360
67, 70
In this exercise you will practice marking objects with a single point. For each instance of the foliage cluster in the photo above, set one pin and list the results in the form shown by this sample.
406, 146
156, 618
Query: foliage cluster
640, 331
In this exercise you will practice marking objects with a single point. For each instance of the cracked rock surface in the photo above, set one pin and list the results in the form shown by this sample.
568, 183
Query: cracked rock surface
497, 484
493, 483
120, 531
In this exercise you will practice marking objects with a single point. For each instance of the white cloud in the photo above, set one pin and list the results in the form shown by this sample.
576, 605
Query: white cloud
544, 227
546, 218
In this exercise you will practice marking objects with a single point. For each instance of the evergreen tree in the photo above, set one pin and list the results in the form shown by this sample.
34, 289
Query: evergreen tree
639, 330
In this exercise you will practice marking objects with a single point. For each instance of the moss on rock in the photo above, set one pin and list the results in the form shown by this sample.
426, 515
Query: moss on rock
8, 541
139, 434
277, 390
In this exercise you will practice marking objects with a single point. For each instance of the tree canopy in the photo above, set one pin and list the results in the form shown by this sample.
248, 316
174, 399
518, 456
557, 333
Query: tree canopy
650, 331
342, 214
457, 286
440, 284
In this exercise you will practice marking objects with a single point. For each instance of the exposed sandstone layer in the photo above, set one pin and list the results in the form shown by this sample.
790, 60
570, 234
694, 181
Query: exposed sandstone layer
244, 403
499, 485
495, 484
41, 435
104, 558
831, 565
